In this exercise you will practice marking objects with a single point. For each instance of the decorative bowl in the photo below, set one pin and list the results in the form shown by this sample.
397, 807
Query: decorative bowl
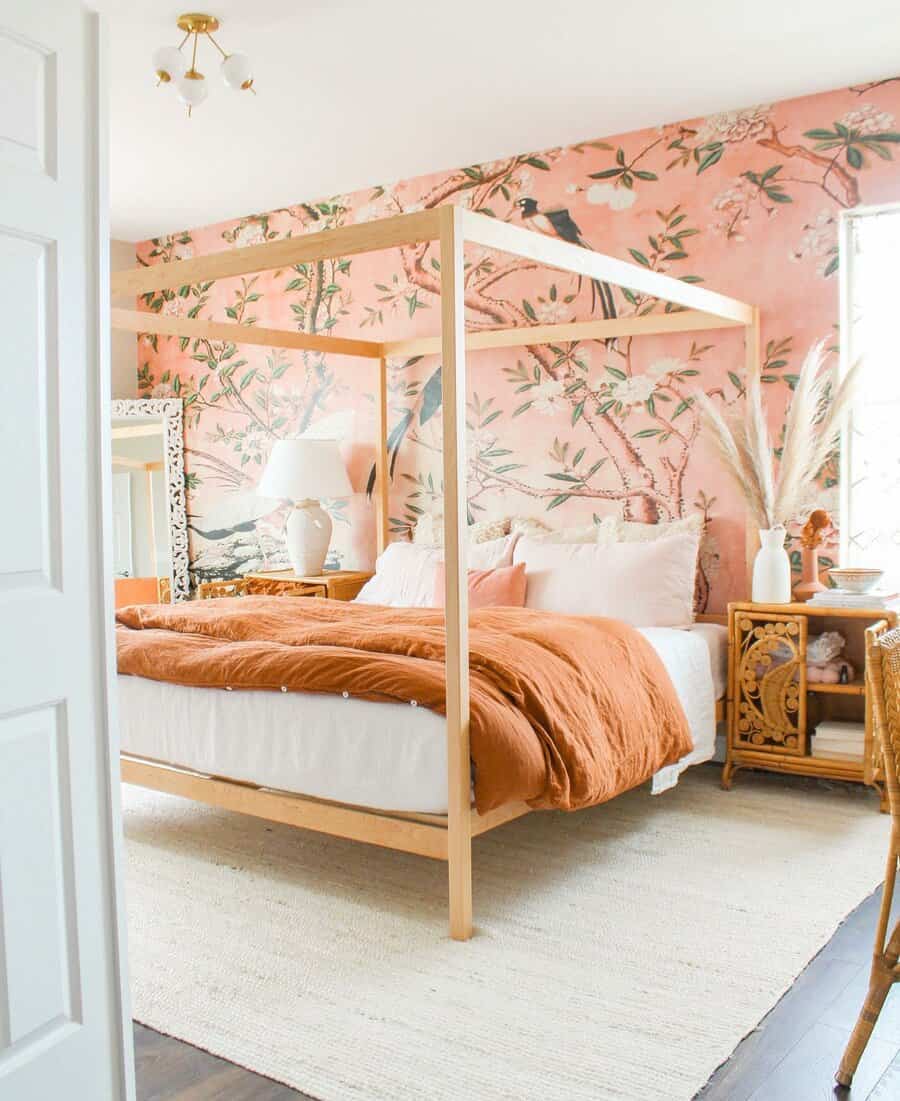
855, 580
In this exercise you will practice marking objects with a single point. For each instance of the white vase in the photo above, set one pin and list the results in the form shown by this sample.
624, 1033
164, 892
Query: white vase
307, 534
772, 568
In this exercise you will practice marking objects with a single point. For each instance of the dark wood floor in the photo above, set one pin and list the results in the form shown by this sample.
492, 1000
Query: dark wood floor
792, 1056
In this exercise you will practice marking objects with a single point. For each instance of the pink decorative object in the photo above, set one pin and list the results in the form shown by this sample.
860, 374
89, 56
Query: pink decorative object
830, 672
810, 540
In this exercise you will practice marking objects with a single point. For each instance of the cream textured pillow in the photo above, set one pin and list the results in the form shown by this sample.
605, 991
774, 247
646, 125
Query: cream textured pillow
613, 530
404, 573
646, 584
429, 531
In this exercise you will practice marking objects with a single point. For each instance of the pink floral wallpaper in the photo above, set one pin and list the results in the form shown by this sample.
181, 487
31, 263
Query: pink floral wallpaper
745, 202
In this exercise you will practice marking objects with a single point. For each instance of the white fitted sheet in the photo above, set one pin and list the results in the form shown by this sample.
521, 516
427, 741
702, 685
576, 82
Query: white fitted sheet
387, 755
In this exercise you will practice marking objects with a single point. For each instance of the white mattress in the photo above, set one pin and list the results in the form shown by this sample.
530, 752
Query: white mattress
387, 755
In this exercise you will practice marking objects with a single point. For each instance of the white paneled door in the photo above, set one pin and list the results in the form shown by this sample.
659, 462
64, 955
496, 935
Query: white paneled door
63, 1023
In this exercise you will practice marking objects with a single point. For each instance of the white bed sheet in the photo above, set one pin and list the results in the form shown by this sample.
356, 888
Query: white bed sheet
387, 755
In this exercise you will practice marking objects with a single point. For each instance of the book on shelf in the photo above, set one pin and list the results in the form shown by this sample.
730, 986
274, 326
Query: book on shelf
843, 598
833, 739
837, 754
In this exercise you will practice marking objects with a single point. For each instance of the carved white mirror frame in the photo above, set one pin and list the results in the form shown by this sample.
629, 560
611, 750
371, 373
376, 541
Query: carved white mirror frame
172, 413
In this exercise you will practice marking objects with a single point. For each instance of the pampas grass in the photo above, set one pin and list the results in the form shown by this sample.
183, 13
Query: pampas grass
811, 430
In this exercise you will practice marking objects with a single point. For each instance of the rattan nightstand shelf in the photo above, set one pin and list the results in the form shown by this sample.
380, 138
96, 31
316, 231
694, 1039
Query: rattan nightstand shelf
773, 710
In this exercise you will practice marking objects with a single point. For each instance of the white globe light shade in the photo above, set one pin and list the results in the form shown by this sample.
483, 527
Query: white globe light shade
236, 71
169, 63
192, 92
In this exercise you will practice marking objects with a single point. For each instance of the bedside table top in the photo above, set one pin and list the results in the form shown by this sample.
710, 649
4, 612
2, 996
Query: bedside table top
310, 579
799, 608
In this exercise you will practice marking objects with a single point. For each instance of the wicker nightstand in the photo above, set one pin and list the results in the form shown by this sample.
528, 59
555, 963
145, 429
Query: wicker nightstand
333, 584
772, 709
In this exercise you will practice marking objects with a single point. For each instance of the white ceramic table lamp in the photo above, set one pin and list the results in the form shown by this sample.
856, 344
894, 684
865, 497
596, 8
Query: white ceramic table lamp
304, 471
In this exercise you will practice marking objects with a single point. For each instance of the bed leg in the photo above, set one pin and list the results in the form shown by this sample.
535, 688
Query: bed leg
459, 864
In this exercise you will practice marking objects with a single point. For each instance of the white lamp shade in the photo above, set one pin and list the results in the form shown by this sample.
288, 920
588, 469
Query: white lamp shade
304, 469
169, 61
192, 91
236, 70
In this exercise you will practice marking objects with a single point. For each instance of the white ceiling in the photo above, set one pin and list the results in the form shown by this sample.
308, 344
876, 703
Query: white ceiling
353, 93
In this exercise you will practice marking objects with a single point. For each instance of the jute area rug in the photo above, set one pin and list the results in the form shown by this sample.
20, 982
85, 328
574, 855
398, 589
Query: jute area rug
621, 952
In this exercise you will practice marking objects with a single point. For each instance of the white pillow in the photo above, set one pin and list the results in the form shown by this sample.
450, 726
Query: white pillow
647, 584
404, 574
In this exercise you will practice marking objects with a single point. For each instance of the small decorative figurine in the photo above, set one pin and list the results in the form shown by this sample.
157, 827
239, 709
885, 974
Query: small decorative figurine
810, 540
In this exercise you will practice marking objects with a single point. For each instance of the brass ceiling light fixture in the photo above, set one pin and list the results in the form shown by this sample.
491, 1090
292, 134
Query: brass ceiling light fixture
171, 64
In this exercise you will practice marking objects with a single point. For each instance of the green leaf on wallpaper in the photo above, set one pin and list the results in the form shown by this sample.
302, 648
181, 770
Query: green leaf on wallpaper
819, 135
247, 379
887, 135
833, 264
735, 380
431, 397
616, 372
278, 371
682, 407
640, 257
522, 408
577, 412
606, 174
605, 406
529, 310
643, 174
537, 162
491, 417
579, 455
647, 433
564, 478
711, 154
651, 406
854, 157
507, 467
559, 500
677, 255
620, 156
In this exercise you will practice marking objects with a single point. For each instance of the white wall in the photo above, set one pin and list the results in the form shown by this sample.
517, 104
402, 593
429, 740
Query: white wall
123, 349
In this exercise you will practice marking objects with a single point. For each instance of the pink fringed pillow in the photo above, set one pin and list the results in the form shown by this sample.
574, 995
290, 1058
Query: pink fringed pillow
503, 587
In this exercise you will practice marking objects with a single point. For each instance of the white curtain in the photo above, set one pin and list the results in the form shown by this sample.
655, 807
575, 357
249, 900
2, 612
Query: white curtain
870, 522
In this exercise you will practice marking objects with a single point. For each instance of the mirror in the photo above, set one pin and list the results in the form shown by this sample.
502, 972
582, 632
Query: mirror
150, 557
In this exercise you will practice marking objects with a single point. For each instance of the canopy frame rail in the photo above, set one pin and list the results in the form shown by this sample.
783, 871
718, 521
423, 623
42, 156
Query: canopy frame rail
452, 227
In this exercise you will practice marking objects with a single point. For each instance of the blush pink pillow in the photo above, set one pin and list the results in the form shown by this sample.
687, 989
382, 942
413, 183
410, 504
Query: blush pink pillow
503, 587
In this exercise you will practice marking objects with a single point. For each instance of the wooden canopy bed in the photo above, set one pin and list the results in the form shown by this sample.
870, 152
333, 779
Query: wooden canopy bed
443, 837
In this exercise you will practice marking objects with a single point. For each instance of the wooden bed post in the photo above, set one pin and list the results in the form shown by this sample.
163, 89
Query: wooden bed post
382, 471
456, 594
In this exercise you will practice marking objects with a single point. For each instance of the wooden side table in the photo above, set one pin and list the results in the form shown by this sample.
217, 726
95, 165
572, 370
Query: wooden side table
332, 584
773, 709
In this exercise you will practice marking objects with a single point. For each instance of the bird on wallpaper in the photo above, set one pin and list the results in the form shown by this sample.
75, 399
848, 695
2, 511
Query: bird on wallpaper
560, 223
214, 534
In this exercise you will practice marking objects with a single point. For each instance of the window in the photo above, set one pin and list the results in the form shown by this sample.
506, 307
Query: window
870, 459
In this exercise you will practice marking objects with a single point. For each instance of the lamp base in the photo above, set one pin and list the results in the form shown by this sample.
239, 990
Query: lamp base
307, 535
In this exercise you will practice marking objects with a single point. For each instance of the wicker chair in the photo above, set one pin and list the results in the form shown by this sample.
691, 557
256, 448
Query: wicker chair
883, 673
